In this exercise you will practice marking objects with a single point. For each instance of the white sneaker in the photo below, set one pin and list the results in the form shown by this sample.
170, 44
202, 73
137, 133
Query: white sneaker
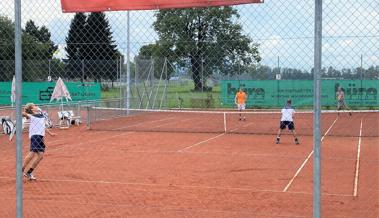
29, 176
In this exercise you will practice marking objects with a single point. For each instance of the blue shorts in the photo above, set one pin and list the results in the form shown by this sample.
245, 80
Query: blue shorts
37, 143
284, 124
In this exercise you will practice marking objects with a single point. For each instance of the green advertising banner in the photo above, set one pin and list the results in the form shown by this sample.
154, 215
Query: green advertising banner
40, 92
274, 93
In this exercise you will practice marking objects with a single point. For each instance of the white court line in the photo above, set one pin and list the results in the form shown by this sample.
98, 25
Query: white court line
199, 143
176, 186
109, 137
355, 192
143, 123
246, 125
163, 209
165, 124
88, 142
306, 160
53, 143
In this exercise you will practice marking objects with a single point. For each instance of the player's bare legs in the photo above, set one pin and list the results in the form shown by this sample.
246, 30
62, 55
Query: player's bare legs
295, 137
39, 157
37, 160
344, 107
278, 136
347, 108
27, 160
242, 117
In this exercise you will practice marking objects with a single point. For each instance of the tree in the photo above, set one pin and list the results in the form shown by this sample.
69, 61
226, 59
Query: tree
90, 48
372, 72
207, 40
160, 55
37, 47
38, 50
75, 41
99, 50
42, 36
6, 49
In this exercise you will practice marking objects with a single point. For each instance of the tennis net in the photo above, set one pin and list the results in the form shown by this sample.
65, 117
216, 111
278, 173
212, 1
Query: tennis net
364, 123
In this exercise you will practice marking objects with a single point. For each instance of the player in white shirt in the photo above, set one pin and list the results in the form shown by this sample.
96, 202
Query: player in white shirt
287, 121
341, 104
37, 130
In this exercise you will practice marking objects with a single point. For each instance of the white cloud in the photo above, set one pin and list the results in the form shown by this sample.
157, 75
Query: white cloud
282, 28
346, 42
374, 59
61, 52
326, 48
267, 46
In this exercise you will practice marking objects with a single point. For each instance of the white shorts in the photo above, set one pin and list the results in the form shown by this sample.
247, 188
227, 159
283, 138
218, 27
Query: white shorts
241, 106
341, 104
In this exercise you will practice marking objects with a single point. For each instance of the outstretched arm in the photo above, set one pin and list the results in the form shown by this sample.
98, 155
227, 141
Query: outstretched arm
24, 114
50, 132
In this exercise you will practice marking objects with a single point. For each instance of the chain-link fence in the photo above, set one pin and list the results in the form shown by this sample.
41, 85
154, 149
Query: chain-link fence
182, 58
199, 48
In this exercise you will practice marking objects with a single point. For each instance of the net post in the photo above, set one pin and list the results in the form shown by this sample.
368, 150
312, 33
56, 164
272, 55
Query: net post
78, 112
88, 117
224, 122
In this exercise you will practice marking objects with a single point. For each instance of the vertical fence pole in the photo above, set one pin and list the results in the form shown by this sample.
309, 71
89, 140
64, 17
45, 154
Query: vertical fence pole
278, 84
361, 77
120, 80
18, 69
128, 65
317, 111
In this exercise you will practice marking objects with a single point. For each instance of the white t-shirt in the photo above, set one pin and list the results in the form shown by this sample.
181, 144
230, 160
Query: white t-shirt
287, 114
340, 96
37, 125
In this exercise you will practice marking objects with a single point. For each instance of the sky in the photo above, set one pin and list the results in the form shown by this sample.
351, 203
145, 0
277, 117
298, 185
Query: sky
282, 28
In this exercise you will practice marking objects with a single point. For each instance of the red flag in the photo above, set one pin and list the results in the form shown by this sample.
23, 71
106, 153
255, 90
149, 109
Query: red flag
119, 5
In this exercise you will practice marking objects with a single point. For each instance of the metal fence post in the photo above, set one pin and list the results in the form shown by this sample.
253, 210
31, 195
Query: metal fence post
317, 111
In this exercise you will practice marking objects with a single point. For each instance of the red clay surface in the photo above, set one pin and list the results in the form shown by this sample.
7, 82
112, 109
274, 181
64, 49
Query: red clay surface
205, 175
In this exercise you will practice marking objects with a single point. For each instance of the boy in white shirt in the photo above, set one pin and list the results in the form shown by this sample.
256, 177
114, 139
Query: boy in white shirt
37, 130
287, 120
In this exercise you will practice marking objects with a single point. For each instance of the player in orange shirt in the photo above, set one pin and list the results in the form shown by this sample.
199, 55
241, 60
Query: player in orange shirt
240, 101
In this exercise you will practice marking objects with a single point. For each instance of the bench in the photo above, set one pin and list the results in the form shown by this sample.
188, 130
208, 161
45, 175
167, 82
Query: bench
66, 118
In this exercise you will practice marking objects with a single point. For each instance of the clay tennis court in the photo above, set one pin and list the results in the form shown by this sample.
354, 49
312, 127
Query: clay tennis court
125, 173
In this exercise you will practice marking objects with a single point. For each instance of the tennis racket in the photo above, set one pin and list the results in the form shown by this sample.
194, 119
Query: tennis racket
12, 133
